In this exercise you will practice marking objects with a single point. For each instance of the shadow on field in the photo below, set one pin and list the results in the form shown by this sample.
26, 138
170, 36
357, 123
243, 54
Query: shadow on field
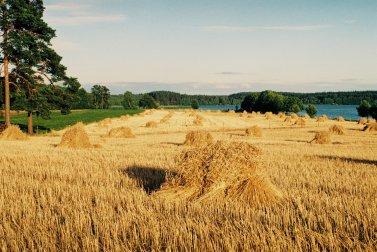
148, 178
350, 160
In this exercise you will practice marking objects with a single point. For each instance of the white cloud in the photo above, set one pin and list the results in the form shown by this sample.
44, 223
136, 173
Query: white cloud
229, 73
86, 19
350, 21
226, 28
65, 6
79, 14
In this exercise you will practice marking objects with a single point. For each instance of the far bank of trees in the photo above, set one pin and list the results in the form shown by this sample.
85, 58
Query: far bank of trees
167, 98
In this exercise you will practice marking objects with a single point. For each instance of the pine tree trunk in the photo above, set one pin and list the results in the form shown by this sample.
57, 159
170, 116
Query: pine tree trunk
30, 123
6, 92
6, 71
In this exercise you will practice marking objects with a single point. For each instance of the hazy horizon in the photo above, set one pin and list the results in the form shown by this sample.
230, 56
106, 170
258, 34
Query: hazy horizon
206, 89
218, 47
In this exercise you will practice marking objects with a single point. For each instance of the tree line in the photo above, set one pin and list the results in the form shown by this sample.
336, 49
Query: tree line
167, 98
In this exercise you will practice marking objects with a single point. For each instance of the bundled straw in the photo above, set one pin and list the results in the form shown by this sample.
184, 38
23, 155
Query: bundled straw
269, 116
122, 132
362, 121
124, 117
220, 171
76, 137
323, 137
151, 124
12, 132
340, 119
300, 122
337, 129
322, 118
105, 122
198, 138
370, 127
166, 118
198, 121
254, 131
288, 119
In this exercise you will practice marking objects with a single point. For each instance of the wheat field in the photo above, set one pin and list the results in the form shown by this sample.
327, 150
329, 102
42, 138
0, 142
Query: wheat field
106, 198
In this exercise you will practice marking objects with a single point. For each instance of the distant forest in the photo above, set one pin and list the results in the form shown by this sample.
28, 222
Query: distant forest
167, 98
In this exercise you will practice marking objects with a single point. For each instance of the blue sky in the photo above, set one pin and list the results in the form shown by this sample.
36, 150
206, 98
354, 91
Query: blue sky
218, 47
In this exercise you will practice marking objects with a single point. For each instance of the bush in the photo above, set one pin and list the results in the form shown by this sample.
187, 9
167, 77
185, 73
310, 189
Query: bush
248, 104
373, 110
194, 104
270, 101
128, 101
364, 108
147, 102
311, 110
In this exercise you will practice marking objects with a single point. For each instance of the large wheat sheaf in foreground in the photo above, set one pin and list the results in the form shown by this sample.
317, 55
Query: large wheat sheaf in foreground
221, 171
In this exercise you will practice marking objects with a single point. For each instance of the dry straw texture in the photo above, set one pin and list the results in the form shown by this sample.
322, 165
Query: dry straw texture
340, 119
76, 137
151, 124
322, 118
105, 122
220, 171
166, 118
323, 137
13, 132
198, 121
60, 199
294, 116
288, 119
269, 116
121, 132
337, 129
124, 117
362, 121
370, 127
254, 131
198, 138
300, 122
281, 115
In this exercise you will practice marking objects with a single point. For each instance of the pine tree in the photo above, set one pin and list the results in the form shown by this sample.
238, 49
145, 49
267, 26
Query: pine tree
30, 65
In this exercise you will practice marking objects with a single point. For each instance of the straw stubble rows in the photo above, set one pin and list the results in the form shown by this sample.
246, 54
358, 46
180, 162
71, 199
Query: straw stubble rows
119, 194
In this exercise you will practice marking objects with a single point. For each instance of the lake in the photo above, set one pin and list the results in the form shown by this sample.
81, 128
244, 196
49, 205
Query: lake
347, 111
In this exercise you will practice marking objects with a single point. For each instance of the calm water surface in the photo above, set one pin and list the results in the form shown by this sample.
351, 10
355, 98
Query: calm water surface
347, 111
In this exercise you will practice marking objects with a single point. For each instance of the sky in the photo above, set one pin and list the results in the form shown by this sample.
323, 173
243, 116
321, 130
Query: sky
218, 46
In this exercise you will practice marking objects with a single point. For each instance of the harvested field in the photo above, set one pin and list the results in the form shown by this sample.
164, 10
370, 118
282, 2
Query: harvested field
277, 192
